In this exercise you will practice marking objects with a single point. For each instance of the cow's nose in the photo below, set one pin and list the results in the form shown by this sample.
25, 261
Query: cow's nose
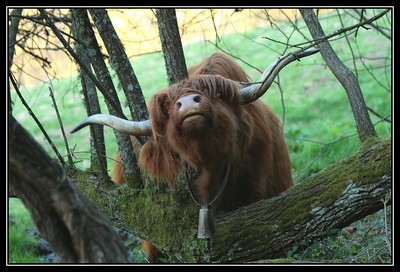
187, 103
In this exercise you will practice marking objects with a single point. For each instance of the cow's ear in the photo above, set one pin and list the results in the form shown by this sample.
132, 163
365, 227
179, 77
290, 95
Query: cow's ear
156, 156
158, 159
159, 113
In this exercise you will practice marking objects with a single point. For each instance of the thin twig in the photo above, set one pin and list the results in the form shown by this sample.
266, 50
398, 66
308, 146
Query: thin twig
323, 145
215, 27
70, 161
343, 30
377, 28
15, 85
278, 82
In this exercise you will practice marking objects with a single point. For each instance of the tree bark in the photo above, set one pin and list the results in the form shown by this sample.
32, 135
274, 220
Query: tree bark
12, 38
344, 75
344, 192
93, 53
12, 34
74, 227
341, 194
171, 45
80, 28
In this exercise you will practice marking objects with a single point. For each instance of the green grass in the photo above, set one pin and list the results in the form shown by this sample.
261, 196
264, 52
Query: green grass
365, 241
318, 121
22, 247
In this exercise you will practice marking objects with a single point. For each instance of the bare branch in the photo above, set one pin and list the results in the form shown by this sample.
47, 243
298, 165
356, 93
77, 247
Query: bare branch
256, 90
60, 158
70, 161
324, 38
82, 65
377, 28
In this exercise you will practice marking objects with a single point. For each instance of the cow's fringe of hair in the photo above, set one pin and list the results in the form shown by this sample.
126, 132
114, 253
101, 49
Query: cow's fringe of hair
157, 156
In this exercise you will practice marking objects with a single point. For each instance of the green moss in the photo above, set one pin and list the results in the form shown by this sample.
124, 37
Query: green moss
373, 160
168, 219
361, 169
308, 196
161, 218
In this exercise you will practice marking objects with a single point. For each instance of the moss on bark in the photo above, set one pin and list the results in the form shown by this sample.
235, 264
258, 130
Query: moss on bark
342, 193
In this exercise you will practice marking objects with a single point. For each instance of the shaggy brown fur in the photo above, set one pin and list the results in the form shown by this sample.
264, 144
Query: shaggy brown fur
218, 130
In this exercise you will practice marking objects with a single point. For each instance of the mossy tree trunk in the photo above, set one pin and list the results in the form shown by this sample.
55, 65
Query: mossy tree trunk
74, 227
344, 192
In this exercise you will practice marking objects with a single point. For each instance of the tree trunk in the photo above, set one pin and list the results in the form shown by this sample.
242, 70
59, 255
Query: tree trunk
80, 28
93, 52
74, 227
12, 34
12, 38
342, 193
344, 75
171, 45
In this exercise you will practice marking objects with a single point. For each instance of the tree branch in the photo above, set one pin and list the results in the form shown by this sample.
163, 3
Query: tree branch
82, 65
120, 63
37, 121
335, 197
70, 161
343, 30
75, 228
81, 28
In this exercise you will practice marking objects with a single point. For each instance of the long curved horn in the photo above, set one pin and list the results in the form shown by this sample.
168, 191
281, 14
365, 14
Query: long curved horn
141, 128
255, 91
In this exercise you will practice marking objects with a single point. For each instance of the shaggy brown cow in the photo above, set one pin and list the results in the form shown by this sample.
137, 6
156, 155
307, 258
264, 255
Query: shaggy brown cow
204, 121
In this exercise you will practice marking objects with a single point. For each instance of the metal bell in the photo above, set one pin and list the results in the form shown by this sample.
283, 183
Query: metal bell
206, 228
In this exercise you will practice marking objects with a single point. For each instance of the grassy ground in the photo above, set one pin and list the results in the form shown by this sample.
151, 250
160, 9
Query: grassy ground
318, 122
21, 246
